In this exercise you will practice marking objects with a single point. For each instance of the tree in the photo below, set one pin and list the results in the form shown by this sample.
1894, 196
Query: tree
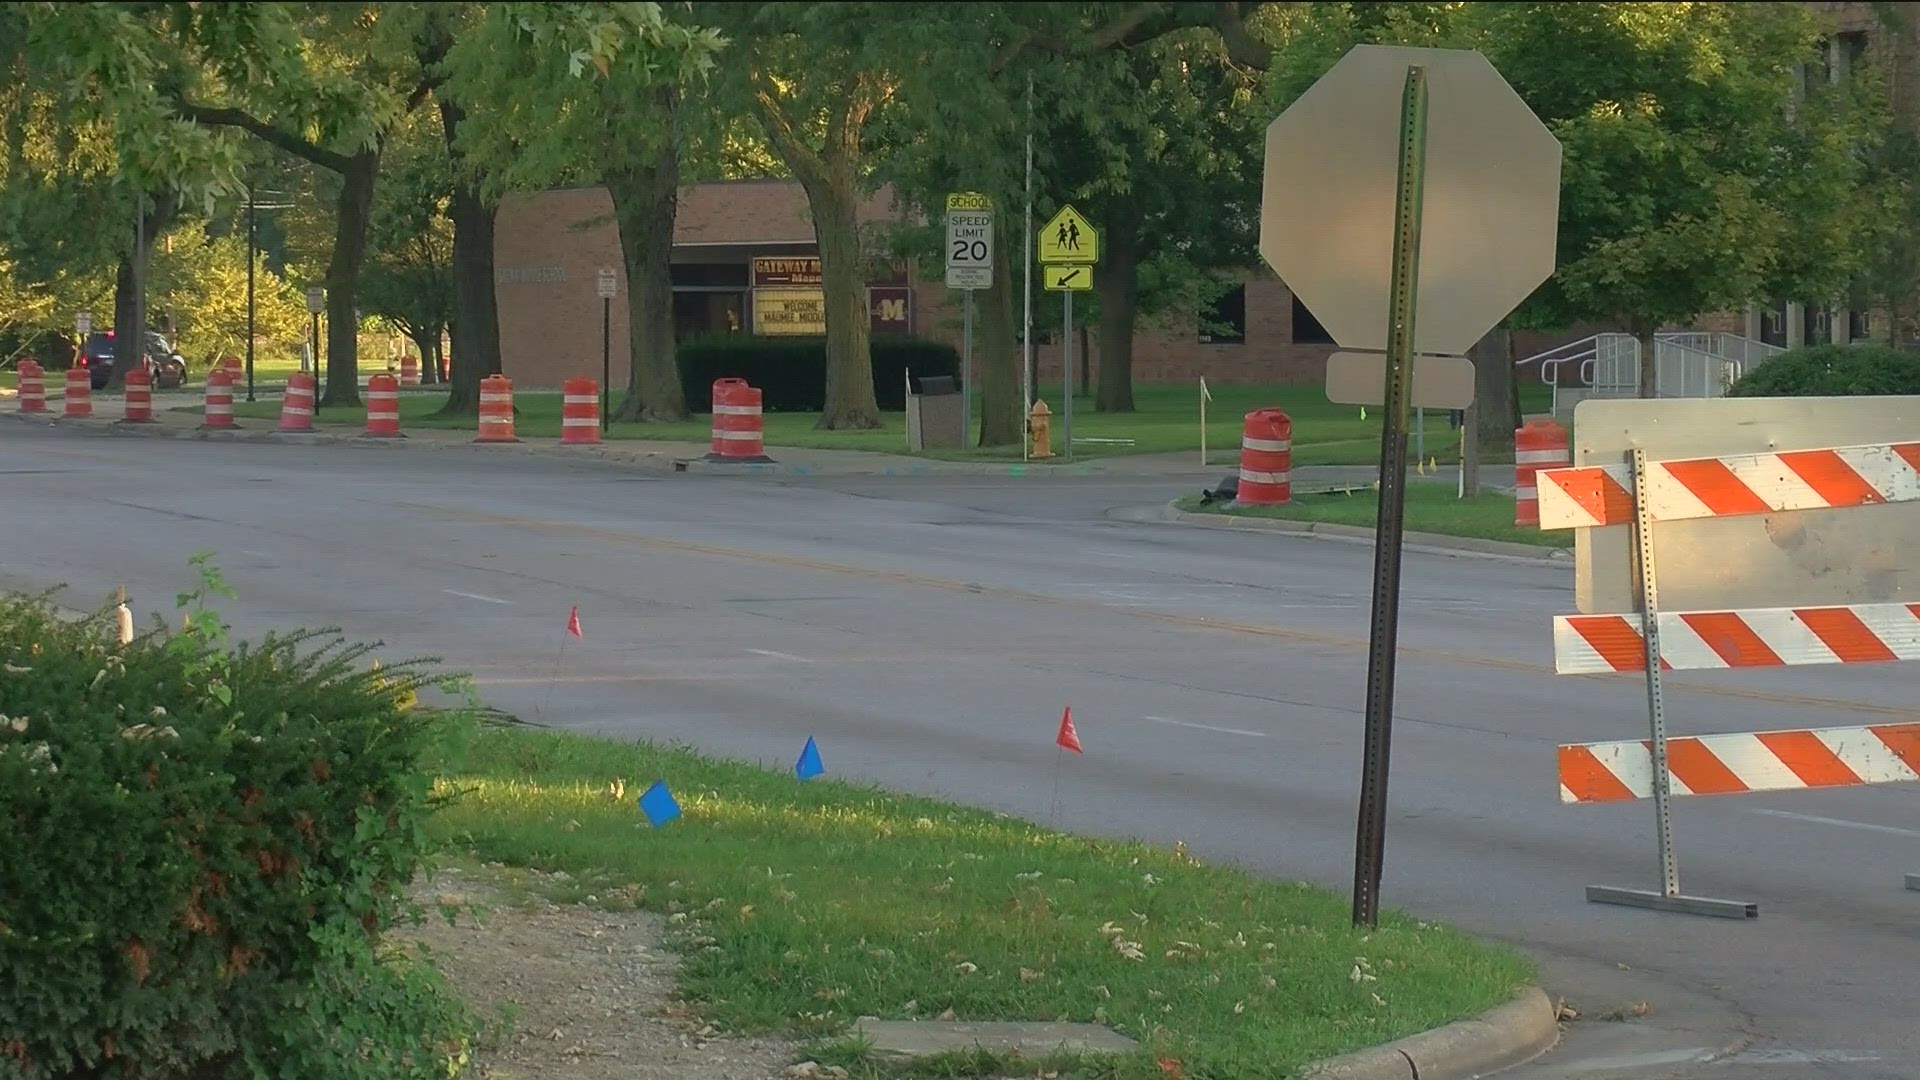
324, 83
577, 92
200, 286
1688, 185
408, 278
815, 76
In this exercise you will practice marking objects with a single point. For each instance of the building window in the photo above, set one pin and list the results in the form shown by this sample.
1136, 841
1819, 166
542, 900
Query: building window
1225, 323
1849, 47
709, 275
1307, 329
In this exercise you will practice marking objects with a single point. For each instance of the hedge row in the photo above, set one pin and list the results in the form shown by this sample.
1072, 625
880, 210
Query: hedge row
1833, 371
791, 372
203, 844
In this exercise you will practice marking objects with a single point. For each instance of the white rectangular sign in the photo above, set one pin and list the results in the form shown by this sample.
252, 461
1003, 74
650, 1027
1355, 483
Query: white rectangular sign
608, 283
84, 322
969, 242
316, 301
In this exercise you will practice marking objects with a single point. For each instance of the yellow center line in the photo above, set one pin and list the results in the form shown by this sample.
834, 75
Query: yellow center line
1188, 622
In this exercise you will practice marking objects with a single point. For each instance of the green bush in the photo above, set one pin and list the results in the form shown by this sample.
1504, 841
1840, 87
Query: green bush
200, 840
791, 372
1833, 371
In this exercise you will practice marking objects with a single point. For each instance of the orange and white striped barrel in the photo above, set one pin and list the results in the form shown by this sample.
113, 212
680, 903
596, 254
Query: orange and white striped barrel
409, 370
496, 410
139, 396
580, 412
33, 387
737, 433
1266, 459
383, 407
79, 403
236, 369
296, 406
1540, 444
219, 407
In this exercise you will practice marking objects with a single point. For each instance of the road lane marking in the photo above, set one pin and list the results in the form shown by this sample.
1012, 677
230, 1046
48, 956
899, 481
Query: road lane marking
1207, 727
1297, 636
777, 655
1841, 822
1802, 1057
476, 596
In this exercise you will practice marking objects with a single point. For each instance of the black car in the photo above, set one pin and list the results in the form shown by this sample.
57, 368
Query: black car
167, 367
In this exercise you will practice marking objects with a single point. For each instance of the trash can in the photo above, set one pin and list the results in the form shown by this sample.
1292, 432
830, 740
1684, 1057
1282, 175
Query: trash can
934, 415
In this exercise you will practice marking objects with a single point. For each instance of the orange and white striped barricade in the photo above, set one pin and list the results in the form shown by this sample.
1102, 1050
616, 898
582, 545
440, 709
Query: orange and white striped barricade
580, 412
496, 410
737, 432
1539, 444
1787, 494
218, 413
79, 400
235, 368
296, 406
139, 396
33, 387
409, 370
383, 407
1266, 459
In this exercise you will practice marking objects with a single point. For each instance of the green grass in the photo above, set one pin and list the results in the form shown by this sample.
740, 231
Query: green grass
1167, 421
1431, 507
800, 907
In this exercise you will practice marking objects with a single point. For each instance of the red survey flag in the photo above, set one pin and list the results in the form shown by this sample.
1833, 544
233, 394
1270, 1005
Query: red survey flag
1068, 739
573, 621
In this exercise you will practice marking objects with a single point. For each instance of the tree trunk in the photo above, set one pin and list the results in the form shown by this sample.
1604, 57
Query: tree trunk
1118, 283
1643, 332
428, 342
475, 331
646, 203
850, 402
1492, 427
353, 210
996, 343
129, 308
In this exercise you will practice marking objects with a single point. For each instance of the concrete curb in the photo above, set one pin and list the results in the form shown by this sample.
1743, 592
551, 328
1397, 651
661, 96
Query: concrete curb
1501, 1038
1432, 543
929, 468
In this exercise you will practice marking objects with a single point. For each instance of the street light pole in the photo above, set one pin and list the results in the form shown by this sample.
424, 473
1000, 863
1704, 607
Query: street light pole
251, 257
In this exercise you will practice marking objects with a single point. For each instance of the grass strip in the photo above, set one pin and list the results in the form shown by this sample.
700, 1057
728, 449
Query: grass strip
1431, 508
1166, 420
800, 907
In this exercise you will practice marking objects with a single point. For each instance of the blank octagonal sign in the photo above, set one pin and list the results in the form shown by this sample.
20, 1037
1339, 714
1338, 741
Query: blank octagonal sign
1492, 197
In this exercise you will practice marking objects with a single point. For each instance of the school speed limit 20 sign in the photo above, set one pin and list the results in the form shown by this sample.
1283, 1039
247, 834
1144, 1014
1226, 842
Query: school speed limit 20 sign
969, 241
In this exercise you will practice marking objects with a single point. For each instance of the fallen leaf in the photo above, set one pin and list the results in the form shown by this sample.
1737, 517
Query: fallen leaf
947, 1015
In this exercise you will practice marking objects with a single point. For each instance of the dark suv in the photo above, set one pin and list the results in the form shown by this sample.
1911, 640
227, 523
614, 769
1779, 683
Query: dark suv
167, 367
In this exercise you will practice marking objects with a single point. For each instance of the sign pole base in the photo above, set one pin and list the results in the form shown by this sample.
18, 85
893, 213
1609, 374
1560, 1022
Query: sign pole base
1680, 905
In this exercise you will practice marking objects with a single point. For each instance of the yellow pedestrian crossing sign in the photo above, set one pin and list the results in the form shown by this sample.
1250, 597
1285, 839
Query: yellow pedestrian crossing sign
1069, 238
1067, 278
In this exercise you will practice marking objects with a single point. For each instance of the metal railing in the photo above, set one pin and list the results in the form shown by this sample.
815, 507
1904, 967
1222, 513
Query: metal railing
1686, 364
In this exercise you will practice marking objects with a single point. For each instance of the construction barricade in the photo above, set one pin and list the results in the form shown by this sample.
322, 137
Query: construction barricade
496, 410
737, 433
1266, 459
1726, 481
139, 397
579, 412
383, 407
79, 401
1539, 444
218, 413
33, 387
296, 407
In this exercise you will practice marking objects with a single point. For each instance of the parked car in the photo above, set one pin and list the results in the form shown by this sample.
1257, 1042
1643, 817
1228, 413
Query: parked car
165, 364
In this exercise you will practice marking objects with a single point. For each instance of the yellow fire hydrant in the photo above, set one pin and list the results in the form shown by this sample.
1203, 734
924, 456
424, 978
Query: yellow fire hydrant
1040, 430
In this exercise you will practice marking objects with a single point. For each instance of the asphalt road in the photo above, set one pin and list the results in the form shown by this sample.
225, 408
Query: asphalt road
929, 631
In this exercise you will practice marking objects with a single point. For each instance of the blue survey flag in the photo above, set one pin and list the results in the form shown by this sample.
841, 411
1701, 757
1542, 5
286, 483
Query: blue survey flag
809, 765
659, 804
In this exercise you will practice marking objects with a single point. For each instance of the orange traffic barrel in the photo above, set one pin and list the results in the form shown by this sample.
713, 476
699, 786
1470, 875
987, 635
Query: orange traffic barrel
1266, 459
1540, 444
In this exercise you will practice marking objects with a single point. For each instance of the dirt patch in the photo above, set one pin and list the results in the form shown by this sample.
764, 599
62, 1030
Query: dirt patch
590, 992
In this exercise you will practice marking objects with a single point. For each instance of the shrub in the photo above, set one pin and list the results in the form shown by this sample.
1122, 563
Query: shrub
200, 839
791, 372
1833, 371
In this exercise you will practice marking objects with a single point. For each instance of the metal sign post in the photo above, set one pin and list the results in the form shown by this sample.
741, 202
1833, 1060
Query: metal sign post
1066, 374
316, 301
1069, 248
969, 267
1371, 838
606, 284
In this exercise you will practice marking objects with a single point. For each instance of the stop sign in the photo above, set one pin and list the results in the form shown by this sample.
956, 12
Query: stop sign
1492, 197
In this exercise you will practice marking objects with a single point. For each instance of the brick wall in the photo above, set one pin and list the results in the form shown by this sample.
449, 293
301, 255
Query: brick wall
547, 250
